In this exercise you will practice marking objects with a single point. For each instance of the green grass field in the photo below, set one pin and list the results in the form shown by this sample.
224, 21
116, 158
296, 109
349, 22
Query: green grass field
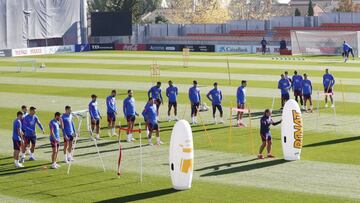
225, 168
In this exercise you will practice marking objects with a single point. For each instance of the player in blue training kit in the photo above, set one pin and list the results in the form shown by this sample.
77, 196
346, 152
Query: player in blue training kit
130, 114
328, 82
150, 116
284, 85
346, 50
195, 100
241, 100
30, 121
297, 88
215, 96
95, 117
111, 113
18, 138
265, 123
155, 93
69, 133
172, 93
307, 91
54, 126
143, 113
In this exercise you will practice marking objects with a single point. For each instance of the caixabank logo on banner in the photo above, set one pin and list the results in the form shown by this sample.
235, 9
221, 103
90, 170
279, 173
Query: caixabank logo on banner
233, 48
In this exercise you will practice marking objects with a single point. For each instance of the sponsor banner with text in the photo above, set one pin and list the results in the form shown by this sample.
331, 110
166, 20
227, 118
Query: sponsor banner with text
82, 47
130, 47
5, 53
200, 48
28, 51
96, 47
233, 48
163, 47
59, 49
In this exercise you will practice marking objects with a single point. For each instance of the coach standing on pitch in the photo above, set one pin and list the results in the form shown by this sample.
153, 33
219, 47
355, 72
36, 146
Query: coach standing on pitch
263, 45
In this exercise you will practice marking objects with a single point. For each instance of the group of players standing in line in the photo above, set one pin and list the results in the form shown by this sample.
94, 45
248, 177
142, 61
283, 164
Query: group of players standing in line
24, 132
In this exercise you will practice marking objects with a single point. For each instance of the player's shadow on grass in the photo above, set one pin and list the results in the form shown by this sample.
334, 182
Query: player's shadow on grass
141, 196
336, 141
26, 169
244, 168
108, 150
216, 167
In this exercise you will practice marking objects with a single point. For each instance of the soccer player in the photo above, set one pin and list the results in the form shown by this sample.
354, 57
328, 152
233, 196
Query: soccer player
130, 114
265, 134
155, 93
307, 91
152, 122
284, 85
195, 100
215, 96
297, 88
18, 138
347, 49
111, 112
55, 125
94, 116
24, 110
328, 82
144, 115
263, 45
241, 99
69, 133
30, 122
172, 93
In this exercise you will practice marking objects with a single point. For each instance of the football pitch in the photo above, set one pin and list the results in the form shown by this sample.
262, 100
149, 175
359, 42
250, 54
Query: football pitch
225, 165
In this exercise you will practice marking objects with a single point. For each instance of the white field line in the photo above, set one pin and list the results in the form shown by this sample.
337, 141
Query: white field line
199, 64
143, 86
223, 57
311, 177
129, 72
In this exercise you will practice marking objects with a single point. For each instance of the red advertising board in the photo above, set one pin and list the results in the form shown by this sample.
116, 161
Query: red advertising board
130, 47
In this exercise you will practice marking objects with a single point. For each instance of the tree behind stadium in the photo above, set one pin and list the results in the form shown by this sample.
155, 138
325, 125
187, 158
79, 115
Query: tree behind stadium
346, 6
256, 9
310, 9
200, 11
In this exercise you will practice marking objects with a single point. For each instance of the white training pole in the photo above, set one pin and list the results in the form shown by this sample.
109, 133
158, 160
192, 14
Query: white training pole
74, 145
273, 103
141, 161
95, 142
334, 114
318, 110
